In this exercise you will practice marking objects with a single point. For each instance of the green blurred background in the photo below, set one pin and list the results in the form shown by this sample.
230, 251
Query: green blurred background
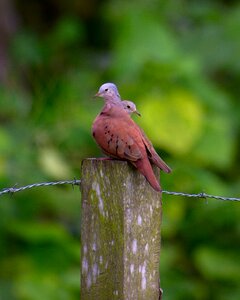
179, 61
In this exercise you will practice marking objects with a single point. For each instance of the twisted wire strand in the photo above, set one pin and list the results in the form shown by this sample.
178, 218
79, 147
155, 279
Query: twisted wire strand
74, 182
201, 195
15, 189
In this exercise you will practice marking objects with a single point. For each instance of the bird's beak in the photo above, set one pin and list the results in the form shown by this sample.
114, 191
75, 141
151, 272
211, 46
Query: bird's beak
137, 113
98, 94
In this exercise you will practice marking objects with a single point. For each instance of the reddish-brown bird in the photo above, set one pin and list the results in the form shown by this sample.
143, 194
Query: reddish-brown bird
119, 137
130, 108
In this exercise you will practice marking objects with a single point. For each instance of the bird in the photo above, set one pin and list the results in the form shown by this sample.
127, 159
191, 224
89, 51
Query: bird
119, 136
130, 108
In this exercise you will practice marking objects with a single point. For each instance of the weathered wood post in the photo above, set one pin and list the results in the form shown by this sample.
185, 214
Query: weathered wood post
120, 229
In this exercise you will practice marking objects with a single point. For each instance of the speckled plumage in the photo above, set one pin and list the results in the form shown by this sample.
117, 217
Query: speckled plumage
120, 137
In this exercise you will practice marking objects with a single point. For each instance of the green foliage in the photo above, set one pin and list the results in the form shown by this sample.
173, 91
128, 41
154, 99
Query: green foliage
179, 110
179, 61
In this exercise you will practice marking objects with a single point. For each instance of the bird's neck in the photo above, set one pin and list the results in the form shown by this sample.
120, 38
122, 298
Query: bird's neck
108, 107
112, 98
113, 109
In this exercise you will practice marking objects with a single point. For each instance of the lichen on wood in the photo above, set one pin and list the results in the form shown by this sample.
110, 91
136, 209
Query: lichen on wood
120, 231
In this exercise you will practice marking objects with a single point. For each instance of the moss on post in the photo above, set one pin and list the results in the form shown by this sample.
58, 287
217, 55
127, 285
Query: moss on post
120, 227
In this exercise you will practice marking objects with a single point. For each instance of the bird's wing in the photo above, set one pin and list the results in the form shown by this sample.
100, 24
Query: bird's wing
119, 138
152, 154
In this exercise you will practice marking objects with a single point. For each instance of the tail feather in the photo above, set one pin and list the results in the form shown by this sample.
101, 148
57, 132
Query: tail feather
152, 154
160, 163
144, 166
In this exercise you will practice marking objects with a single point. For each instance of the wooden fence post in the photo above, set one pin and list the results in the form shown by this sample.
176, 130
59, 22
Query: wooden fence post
120, 231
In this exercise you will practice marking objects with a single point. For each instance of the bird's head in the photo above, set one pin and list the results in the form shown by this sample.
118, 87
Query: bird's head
130, 107
108, 91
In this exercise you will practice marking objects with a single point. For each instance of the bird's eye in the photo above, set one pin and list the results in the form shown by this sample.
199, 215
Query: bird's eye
106, 90
128, 106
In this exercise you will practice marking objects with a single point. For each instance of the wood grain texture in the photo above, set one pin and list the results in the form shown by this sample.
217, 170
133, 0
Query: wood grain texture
120, 229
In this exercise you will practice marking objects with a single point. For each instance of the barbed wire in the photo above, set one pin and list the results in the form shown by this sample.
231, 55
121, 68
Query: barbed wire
201, 195
15, 189
74, 182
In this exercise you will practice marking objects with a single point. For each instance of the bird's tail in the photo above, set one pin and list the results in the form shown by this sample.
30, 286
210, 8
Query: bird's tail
144, 166
160, 163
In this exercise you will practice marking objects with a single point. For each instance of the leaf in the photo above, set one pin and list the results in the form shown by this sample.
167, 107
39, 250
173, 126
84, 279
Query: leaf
214, 263
131, 53
37, 232
217, 144
174, 122
53, 163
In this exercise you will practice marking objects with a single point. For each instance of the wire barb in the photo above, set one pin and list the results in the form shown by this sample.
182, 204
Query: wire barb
14, 189
201, 195
74, 182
